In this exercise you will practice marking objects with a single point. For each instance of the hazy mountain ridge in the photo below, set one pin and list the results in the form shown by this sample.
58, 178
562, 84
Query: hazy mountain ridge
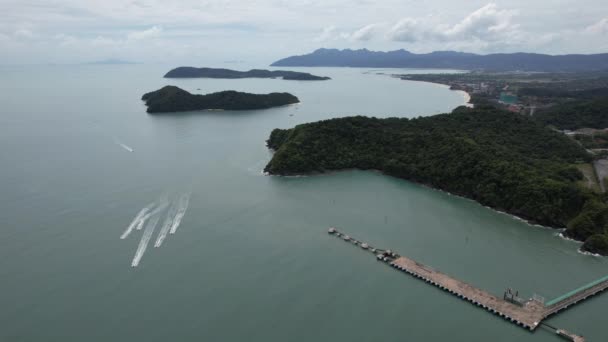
448, 59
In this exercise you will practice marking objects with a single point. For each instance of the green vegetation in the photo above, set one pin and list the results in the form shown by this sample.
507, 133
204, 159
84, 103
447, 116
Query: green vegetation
174, 99
191, 72
574, 114
591, 226
597, 140
597, 244
504, 161
590, 180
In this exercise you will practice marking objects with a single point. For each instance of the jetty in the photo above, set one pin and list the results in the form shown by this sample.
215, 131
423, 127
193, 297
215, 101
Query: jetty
526, 313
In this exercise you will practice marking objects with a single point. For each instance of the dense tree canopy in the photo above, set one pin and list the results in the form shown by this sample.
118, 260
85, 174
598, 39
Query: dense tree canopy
174, 99
505, 161
191, 72
574, 114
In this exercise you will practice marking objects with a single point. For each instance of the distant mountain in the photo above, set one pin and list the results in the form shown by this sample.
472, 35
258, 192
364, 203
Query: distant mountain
448, 60
174, 99
192, 72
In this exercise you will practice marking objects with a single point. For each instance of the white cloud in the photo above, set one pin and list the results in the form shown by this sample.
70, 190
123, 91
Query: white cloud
152, 32
65, 40
328, 33
601, 27
488, 23
133, 29
408, 30
24, 34
366, 33
104, 41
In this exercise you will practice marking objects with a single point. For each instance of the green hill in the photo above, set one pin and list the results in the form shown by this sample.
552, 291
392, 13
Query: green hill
504, 161
174, 99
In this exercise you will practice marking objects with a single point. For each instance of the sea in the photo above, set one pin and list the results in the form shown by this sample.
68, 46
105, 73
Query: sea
117, 225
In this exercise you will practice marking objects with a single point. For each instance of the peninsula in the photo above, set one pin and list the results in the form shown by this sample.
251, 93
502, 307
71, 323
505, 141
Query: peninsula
503, 161
364, 58
192, 72
174, 99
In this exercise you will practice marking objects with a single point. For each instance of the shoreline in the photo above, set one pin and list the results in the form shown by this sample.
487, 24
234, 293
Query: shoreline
530, 223
465, 95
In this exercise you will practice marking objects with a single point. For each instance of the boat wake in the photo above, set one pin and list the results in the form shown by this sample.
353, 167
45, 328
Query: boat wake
126, 147
145, 239
164, 230
138, 221
117, 142
181, 211
143, 219
149, 217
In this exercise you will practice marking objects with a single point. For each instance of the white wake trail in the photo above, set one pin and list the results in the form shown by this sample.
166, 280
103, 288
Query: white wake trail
181, 211
119, 143
126, 147
137, 221
145, 238
171, 215
143, 219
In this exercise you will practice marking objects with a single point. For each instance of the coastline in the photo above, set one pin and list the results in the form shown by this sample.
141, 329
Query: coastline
531, 223
465, 95
467, 98
527, 221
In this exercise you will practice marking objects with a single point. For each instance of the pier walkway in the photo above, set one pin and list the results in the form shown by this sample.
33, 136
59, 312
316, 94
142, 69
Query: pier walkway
575, 296
529, 315
525, 313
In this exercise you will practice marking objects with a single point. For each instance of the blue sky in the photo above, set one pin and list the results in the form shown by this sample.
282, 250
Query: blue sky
213, 31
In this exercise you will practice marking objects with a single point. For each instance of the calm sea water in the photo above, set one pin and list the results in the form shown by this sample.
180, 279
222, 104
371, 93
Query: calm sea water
251, 260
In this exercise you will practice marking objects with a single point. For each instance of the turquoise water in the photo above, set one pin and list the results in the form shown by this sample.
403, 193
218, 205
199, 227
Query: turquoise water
251, 259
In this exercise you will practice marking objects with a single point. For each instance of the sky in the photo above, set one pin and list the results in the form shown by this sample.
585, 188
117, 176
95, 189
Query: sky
262, 31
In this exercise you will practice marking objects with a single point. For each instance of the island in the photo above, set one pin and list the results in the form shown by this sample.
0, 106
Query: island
501, 160
174, 99
192, 72
364, 58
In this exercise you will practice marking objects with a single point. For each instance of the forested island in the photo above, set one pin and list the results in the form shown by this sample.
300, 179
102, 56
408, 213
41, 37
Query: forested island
192, 72
505, 161
174, 99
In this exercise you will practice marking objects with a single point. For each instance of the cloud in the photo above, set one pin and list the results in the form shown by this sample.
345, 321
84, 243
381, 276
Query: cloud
65, 40
328, 33
601, 27
488, 23
104, 41
408, 30
366, 32
24, 34
68, 30
129, 39
152, 32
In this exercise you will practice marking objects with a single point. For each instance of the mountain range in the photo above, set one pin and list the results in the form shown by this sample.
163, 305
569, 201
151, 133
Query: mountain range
449, 60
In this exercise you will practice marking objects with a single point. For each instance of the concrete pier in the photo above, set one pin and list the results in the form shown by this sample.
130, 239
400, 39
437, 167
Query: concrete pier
525, 313
528, 316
